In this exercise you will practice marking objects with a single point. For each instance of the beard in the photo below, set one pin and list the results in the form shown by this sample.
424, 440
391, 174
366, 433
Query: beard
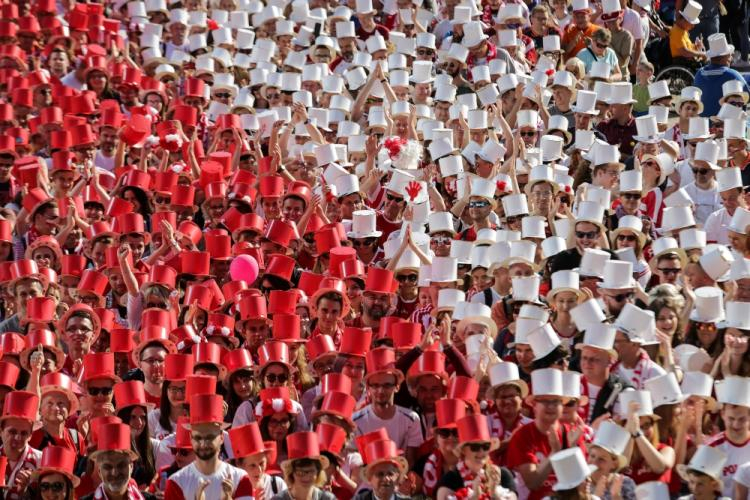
204, 454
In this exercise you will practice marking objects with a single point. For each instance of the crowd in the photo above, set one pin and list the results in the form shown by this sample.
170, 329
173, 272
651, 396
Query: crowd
372, 250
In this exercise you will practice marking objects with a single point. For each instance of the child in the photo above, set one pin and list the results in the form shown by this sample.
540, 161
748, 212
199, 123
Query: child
644, 75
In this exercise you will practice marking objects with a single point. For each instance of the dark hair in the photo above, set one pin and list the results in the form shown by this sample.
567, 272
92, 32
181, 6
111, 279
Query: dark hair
141, 444
332, 296
306, 462
165, 407
263, 424
143, 201
79, 314
557, 355
233, 399
716, 347
45, 206
36, 492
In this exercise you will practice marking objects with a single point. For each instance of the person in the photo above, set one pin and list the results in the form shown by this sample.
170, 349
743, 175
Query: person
304, 470
384, 471
681, 46
252, 455
208, 475
19, 414
713, 75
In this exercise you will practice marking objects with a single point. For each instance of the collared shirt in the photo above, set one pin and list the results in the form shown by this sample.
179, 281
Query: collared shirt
619, 134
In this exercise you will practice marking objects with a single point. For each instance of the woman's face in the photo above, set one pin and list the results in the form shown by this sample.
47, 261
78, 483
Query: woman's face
565, 301
97, 81
44, 257
275, 375
447, 440
176, 393
604, 461
137, 421
129, 196
476, 455
666, 321
55, 408
735, 341
354, 368
53, 487
508, 401
242, 384
626, 239
278, 426
707, 333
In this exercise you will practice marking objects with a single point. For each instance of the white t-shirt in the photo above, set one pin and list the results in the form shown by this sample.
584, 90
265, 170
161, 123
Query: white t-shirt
631, 21
650, 371
737, 455
188, 480
716, 226
404, 428
707, 201
104, 162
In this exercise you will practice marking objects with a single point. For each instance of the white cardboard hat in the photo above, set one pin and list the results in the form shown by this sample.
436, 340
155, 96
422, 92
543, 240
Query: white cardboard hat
547, 382
698, 384
570, 468
444, 270
652, 490
618, 275
665, 390
421, 72
638, 324
587, 314
585, 103
674, 218
709, 305
737, 316
507, 373
515, 205
448, 298
526, 288
552, 246
543, 341
718, 46
658, 90
600, 336
708, 460
612, 438
364, 225
642, 397
693, 238
733, 390
691, 11
716, 262
592, 262
473, 34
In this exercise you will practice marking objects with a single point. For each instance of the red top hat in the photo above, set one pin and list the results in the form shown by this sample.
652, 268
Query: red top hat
25, 268
57, 460
309, 282
111, 117
118, 207
339, 227
182, 435
382, 360
329, 285
286, 328
209, 353
335, 382
280, 266
157, 217
187, 115
331, 437
130, 393
8, 371
45, 339
271, 186
100, 229
473, 428
273, 352
339, 255
138, 179
384, 451
183, 196
113, 437
449, 411
303, 445
219, 324
153, 335
131, 223
365, 439
136, 130
326, 240
319, 346
299, 189
338, 404
162, 275
34, 199
207, 409
164, 182
94, 282
199, 384
98, 422
386, 323
20, 404
51, 114
352, 268
191, 230
282, 302
356, 341
57, 382
246, 222
238, 359
215, 190
12, 343
194, 87
465, 388
252, 307
225, 122
232, 289
72, 265
405, 334
379, 280
39, 310
177, 367
223, 158
219, 245
246, 440
97, 365
314, 224
121, 340
82, 134
195, 263
106, 318
281, 232
199, 295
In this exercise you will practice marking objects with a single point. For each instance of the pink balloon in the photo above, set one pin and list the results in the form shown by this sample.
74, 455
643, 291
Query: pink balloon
244, 268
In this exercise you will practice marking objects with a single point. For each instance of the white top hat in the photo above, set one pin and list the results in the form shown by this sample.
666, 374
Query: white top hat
507, 373
521, 252
691, 11
635, 322
570, 468
552, 246
592, 262
680, 198
666, 245
658, 90
547, 382
735, 129
426, 40
441, 222
695, 383
346, 185
498, 67
729, 178
527, 118
652, 490
483, 188
692, 238
599, 335
643, 398
444, 269
590, 211
461, 250
585, 103
600, 70
345, 29
515, 204
580, 5
612, 438
708, 460
572, 384
477, 119
674, 218
718, 46
488, 94
631, 181
618, 275
740, 269
507, 38
448, 298
709, 305
526, 288
708, 151
740, 220
661, 113
473, 34
485, 236
364, 7
451, 165
421, 72
648, 130
446, 93
716, 262
178, 16
533, 227
737, 316
733, 390
665, 390
551, 43
492, 151
552, 147
543, 341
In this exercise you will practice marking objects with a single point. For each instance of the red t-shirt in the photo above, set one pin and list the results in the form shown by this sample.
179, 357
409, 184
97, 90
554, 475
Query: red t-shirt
640, 472
529, 445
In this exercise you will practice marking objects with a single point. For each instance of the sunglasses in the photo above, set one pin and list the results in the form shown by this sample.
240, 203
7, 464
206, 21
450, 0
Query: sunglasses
622, 297
390, 197
56, 487
273, 378
669, 270
181, 453
626, 237
447, 433
442, 240
364, 243
223, 95
700, 171
271, 97
528, 134
411, 278
602, 45
104, 391
590, 235
477, 447
631, 196
479, 204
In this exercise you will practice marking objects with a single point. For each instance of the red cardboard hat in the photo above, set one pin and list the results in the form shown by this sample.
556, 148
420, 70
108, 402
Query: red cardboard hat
199, 384
57, 460
273, 352
331, 437
138, 179
319, 346
157, 217
252, 307
199, 295
195, 263
130, 393
231, 289
271, 186
45, 339
283, 302
365, 439
8, 371
280, 266
210, 353
332, 285
161, 274
379, 280
299, 189
114, 437
304, 445
118, 207
98, 422
100, 229
335, 382
215, 190
338, 404
465, 388
194, 87
246, 440
473, 428
429, 363
40, 310
237, 359
338, 256
326, 240
164, 182
177, 367
154, 335
121, 340
286, 328
97, 365
183, 196
190, 230
309, 282
281, 232
131, 223
356, 341
94, 282
72, 265
59, 383
382, 360
187, 115
223, 158
34, 199
106, 318
111, 117
219, 245
384, 451
351, 268
207, 409
182, 435
247, 222
23, 405
26, 269
405, 334
449, 411
385, 325
82, 134
136, 130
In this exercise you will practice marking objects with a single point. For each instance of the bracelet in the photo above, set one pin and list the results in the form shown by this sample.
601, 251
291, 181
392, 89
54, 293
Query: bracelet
637, 434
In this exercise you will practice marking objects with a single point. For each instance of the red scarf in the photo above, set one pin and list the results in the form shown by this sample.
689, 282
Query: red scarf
433, 469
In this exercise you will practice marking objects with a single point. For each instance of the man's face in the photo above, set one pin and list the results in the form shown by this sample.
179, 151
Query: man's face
115, 469
293, 208
429, 389
206, 440
479, 209
54, 408
27, 289
79, 331
137, 244
382, 387
347, 46
594, 363
587, 235
349, 204
16, 434
178, 32
108, 140
152, 364
581, 19
615, 300
737, 421
548, 408
376, 305
384, 479
46, 220
271, 207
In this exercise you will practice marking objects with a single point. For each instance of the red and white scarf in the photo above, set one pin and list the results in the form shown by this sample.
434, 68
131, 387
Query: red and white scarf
468, 477
133, 492
641, 367
433, 469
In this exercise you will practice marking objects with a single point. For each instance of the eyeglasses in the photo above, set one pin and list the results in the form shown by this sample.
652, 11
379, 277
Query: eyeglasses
441, 240
175, 389
542, 194
700, 171
271, 97
181, 453
424, 52
447, 433
153, 361
479, 204
390, 197
708, 327
223, 95
669, 270
366, 242
631, 196
528, 134
385, 387
162, 200
626, 237
56, 487
95, 391
739, 104
273, 378
477, 447
602, 45
622, 297
590, 235
412, 278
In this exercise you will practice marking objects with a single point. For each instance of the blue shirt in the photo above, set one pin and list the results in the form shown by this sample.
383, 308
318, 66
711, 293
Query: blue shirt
588, 58
709, 79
